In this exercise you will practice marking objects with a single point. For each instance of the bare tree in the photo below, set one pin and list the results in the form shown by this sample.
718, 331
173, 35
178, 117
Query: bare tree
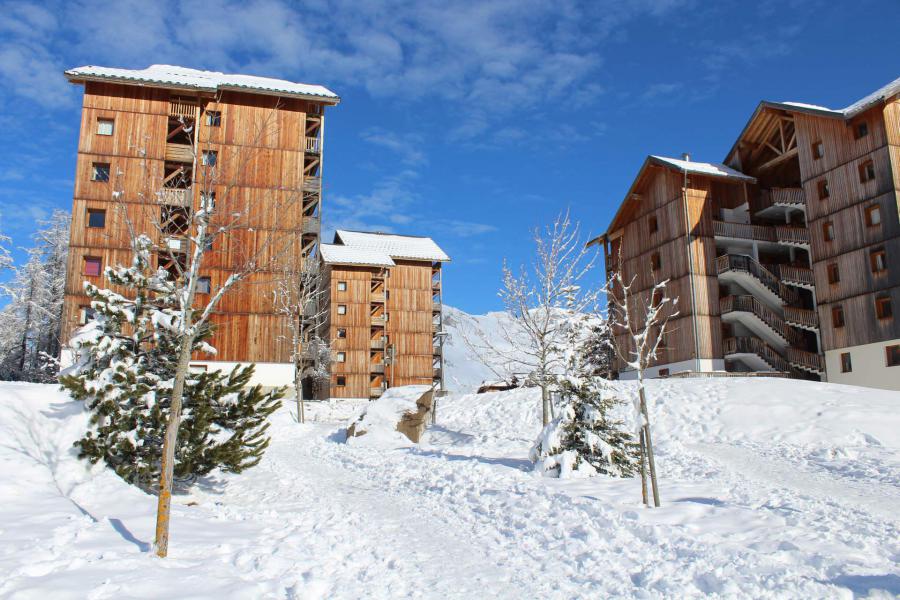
638, 323
187, 233
541, 303
301, 296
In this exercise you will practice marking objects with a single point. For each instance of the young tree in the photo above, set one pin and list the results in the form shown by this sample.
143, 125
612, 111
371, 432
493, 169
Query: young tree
638, 322
124, 365
301, 296
586, 440
541, 304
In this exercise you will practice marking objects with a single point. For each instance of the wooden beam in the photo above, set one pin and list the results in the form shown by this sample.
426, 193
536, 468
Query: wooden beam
778, 160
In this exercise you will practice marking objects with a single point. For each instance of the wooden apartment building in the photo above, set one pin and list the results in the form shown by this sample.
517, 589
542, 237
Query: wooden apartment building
385, 312
152, 141
786, 257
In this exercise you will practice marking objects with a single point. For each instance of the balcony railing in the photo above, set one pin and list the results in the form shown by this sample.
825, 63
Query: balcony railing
312, 225
792, 235
765, 314
762, 233
313, 145
175, 196
376, 344
806, 360
752, 345
789, 197
312, 184
378, 297
182, 107
378, 320
176, 244
801, 317
796, 275
436, 307
376, 368
744, 264
180, 153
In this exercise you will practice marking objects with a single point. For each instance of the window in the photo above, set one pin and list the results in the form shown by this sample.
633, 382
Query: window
96, 217
834, 276
828, 231
341, 333
341, 381
342, 286
342, 309
213, 118
92, 266
657, 297
208, 199
837, 316
866, 171
655, 261
861, 130
663, 372
87, 314
873, 215
892, 355
342, 357
824, 192
105, 126
100, 172
878, 260
209, 158
652, 224
846, 363
818, 150
883, 309
203, 285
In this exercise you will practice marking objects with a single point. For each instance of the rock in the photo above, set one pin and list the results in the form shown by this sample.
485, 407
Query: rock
404, 409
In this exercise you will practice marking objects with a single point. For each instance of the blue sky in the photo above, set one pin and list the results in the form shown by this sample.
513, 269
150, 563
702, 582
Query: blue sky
469, 122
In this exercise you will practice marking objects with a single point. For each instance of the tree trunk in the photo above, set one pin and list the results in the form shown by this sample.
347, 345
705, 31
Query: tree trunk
167, 467
298, 391
649, 442
545, 403
643, 468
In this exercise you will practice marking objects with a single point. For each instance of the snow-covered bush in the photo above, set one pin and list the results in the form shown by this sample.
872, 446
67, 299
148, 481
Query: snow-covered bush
125, 363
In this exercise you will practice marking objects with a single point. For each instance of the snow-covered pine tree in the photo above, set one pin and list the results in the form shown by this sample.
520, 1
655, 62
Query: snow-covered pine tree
125, 363
585, 439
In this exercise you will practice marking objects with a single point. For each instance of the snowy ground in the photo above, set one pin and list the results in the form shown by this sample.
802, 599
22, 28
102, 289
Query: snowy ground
770, 488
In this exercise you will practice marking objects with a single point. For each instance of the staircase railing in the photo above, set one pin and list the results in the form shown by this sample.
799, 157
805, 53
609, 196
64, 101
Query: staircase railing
801, 316
793, 274
808, 360
753, 345
764, 313
745, 264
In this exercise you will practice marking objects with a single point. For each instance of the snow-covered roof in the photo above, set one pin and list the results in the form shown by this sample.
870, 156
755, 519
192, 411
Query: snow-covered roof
854, 109
703, 168
208, 81
395, 246
336, 254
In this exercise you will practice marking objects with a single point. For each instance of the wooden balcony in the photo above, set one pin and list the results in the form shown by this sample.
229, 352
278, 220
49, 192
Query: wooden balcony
177, 244
312, 184
752, 345
750, 304
739, 263
783, 234
377, 368
794, 275
778, 197
312, 225
801, 317
808, 361
183, 153
378, 320
436, 307
182, 107
176, 196
795, 236
313, 145
378, 297
376, 344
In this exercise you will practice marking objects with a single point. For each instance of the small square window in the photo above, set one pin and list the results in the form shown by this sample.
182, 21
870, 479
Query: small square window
105, 126
664, 372
204, 285
341, 381
824, 192
342, 286
818, 150
873, 216
209, 158
846, 363
208, 199
878, 260
655, 261
892, 355
341, 357
213, 118
342, 309
100, 172
87, 314
96, 218
828, 231
867, 171
341, 333
837, 316
834, 276
92, 266
652, 224
861, 130
883, 308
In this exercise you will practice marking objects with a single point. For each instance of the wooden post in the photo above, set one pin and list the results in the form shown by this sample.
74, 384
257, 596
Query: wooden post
649, 445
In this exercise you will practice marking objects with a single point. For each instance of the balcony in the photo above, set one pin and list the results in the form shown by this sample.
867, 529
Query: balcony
755, 352
779, 234
799, 276
808, 361
176, 196
773, 201
801, 317
183, 153
176, 244
775, 330
377, 368
376, 344
737, 266
313, 145
312, 184
378, 320
312, 225
378, 297
435, 307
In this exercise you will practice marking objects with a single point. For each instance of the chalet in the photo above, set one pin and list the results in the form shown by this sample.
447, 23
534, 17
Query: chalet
152, 141
385, 324
786, 257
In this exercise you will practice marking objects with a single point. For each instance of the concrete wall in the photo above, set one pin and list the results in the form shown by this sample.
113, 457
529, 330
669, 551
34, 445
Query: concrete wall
706, 365
869, 366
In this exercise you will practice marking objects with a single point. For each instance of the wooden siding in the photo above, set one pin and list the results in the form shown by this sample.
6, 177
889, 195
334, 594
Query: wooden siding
357, 322
409, 326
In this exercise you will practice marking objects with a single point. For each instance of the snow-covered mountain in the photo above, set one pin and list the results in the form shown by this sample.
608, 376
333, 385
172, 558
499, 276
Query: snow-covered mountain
464, 370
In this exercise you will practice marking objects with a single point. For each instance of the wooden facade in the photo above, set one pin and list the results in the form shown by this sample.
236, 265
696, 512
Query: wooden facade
258, 152
384, 323
793, 256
